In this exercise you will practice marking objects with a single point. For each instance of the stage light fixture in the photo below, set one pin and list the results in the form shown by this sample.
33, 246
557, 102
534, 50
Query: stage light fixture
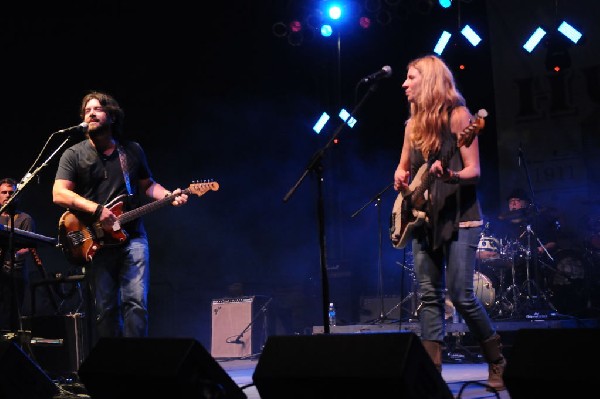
279, 29
321, 123
326, 30
570, 32
345, 116
442, 42
295, 26
334, 12
295, 38
445, 3
471, 35
384, 17
372, 5
534, 39
424, 6
324, 118
364, 22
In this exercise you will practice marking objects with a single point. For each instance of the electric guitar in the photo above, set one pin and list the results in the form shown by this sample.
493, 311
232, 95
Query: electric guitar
409, 208
80, 238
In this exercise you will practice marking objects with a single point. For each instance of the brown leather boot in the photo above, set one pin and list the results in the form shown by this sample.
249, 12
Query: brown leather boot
492, 352
434, 350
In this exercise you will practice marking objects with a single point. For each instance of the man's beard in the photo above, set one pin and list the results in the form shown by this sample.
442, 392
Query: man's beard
99, 131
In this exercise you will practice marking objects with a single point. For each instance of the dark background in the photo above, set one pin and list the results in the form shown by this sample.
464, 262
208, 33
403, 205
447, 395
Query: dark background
213, 94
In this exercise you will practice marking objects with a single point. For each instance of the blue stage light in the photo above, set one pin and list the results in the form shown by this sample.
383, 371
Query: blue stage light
345, 116
326, 30
573, 34
471, 35
334, 12
442, 42
321, 123
534, 39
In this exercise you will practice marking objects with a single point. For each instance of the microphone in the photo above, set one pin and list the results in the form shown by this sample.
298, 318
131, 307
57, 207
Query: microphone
383, 73
82, 127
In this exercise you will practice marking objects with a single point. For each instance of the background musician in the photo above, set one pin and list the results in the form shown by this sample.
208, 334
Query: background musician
14, 277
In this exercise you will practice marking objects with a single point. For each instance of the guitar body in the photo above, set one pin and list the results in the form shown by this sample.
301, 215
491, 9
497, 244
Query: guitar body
408, 211
80, 241
80, 237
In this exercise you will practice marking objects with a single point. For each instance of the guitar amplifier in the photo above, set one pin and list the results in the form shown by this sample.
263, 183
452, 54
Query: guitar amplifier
239, 326
59, 343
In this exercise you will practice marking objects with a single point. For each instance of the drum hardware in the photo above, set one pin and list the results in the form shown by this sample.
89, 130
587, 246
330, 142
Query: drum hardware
529, 285
507, 303
412, 295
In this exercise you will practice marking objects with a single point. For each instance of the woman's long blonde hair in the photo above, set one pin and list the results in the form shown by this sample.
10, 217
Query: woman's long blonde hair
429, 112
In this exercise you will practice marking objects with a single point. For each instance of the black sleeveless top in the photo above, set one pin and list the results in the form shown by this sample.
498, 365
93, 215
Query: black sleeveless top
449, 204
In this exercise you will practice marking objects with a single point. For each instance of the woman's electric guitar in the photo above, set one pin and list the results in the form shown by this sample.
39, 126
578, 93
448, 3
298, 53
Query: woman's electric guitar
409, 208
80, 238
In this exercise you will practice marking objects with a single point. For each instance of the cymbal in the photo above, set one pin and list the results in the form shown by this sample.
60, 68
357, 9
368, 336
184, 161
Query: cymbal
519, 215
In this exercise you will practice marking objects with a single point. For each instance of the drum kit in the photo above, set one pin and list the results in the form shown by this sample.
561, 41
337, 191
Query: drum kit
515, 271
512, 281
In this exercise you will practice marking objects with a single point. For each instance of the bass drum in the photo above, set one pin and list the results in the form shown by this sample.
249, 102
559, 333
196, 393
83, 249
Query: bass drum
482, 288
569, 268
567, 282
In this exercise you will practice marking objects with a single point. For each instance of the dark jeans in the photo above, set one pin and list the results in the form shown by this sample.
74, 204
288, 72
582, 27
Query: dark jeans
449, 271
120, 280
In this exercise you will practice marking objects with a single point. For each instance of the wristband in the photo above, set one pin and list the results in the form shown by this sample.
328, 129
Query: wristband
454, 177
98, 211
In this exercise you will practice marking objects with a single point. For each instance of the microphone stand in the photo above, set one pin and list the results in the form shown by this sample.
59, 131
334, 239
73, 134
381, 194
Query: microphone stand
377, 200
9, 207
315, 165
238, 338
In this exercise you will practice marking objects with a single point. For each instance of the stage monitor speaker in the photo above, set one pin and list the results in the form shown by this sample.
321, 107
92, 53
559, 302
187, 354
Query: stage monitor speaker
552, 363
238, 326
378, 365
174, 368
20, 377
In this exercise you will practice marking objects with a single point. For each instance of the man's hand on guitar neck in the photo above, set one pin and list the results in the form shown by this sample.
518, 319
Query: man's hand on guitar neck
108, 220
180, 197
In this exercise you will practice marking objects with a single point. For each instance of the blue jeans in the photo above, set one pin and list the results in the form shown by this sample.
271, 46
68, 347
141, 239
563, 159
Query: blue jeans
449, 271
119, 279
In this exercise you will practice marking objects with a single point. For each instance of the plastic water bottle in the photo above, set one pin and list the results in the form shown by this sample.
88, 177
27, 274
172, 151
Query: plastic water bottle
331, 314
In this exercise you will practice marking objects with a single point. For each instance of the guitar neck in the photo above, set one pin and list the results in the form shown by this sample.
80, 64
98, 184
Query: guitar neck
150, 207
427, 178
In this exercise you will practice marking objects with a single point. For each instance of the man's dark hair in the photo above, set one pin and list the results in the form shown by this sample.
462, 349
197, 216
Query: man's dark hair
111, 106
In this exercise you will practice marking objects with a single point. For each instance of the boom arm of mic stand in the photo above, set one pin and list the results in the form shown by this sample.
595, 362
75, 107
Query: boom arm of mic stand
27, 178
374, 199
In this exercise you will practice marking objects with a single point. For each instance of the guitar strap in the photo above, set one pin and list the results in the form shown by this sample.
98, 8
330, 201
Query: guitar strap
124, 167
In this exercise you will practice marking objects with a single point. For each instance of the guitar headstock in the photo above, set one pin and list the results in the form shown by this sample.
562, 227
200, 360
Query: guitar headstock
467, 136
201, 188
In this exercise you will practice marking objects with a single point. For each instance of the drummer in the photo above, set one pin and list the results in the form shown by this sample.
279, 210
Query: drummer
541, 237
521, 213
